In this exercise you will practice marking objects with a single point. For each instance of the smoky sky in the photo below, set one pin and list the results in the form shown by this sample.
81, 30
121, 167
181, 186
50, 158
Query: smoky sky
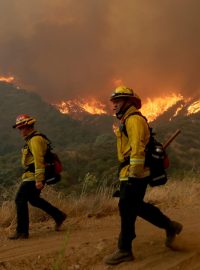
68, 49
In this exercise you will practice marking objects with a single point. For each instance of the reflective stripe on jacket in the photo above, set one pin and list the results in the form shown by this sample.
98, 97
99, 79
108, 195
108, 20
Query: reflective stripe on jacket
33, 153
133, 145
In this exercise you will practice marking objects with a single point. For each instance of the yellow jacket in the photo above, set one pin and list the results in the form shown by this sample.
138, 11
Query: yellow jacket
133, 146
33, 153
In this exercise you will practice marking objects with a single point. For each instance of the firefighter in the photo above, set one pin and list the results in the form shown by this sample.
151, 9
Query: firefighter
134, 176
32, 179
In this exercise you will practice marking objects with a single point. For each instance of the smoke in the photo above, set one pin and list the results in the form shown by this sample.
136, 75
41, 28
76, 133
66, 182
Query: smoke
68, 49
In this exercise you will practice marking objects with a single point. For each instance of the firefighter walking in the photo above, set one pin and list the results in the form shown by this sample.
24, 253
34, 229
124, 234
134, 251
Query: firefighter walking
32, 179
134, 176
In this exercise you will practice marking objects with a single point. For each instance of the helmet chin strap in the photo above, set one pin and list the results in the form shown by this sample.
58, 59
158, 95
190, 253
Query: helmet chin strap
126, 105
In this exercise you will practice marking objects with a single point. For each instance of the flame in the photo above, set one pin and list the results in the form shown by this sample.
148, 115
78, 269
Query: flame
151, 109
194, 107
178, 110
91, 106
155, 107
8, 79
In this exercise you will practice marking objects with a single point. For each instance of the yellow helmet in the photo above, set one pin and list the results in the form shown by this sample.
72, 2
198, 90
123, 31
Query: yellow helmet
126, 92
24, 120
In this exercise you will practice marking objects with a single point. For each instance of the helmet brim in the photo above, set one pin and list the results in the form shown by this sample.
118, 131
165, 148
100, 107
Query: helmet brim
136, 101
26, 123
120, 95
19, 125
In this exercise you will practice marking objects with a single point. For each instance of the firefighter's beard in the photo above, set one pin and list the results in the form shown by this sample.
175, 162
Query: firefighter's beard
119, 115
120, 110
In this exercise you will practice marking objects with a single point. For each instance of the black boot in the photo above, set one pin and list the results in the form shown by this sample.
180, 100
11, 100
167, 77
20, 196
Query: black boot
174, 229
60, 221
118, 257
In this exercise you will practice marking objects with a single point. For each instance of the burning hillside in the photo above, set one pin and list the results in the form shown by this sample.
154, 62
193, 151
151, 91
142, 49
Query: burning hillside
152, 108
69, 133
76, 107
185, 107
172, 106
7, 79
194, 107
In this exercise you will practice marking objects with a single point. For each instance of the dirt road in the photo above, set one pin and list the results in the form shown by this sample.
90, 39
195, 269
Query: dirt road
82, 244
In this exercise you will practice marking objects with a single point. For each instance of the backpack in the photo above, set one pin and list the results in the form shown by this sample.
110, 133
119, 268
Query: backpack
157, 160
155, 157
53, 165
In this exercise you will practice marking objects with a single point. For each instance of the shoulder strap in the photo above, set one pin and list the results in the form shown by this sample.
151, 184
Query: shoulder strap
123, 125
36, 133
137, 113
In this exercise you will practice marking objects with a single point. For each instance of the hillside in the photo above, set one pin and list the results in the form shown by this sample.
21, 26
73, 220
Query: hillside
185, 150
76, 141
87, 146
61, 128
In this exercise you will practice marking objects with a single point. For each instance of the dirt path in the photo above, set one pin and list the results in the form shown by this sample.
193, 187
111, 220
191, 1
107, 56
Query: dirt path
83, 244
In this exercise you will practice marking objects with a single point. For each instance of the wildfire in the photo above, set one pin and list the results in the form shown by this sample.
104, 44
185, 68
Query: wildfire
178, 110
155, 107
151, 109
8, 79
91, 106
194, 107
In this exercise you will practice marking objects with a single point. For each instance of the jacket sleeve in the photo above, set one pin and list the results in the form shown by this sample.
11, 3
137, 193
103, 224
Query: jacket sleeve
38, 147
137, 130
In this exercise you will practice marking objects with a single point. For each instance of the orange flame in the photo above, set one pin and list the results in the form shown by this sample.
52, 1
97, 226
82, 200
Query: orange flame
8, 79
91, 106
151, 109
178, 110
194, 107
155, 107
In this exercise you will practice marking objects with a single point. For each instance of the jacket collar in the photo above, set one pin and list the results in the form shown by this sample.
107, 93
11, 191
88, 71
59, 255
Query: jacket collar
30, 135
130, 110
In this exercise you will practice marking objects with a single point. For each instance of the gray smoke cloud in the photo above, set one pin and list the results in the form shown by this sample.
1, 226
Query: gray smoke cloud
68, 49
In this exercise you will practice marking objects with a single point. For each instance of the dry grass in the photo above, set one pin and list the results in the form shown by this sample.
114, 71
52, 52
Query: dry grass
176, 193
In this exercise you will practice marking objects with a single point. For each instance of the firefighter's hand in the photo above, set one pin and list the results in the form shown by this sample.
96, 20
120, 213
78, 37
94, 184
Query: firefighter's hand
39, 185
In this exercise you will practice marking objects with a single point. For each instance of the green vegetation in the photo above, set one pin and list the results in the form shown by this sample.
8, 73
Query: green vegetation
86, 147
